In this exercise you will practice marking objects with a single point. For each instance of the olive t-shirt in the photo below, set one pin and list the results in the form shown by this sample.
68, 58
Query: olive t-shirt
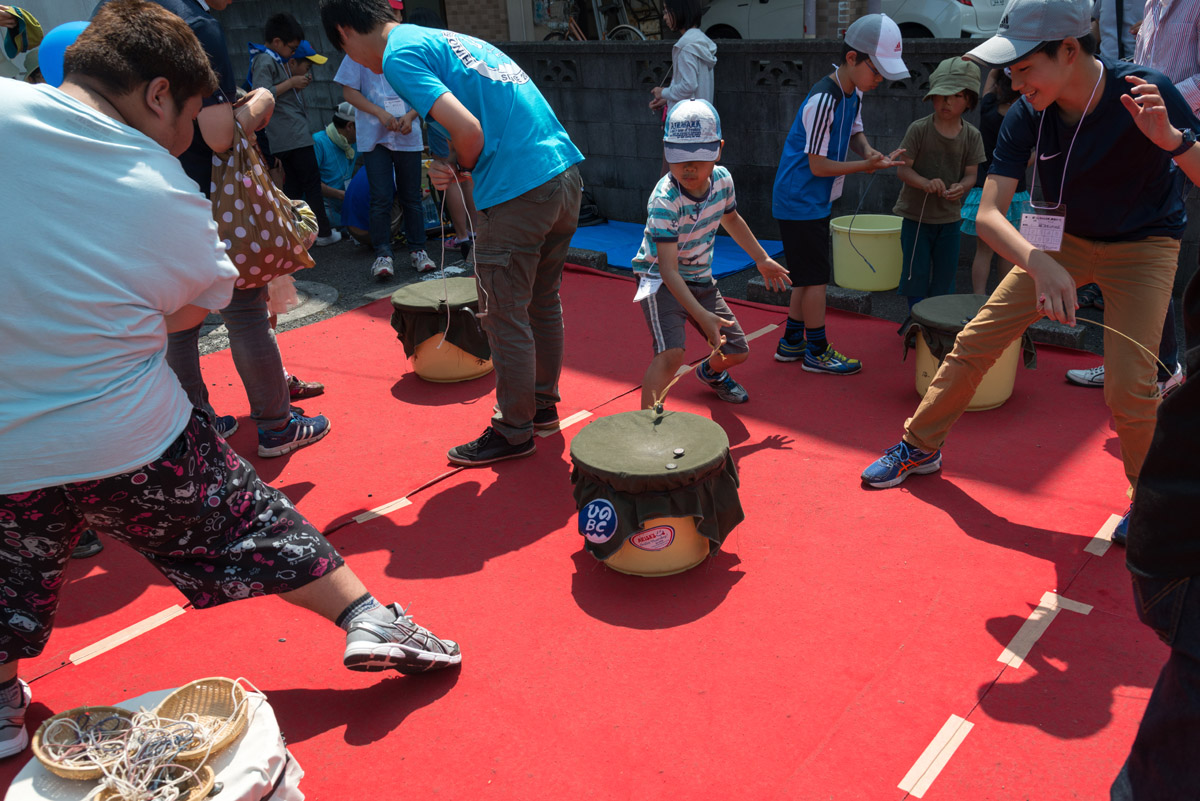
937, 156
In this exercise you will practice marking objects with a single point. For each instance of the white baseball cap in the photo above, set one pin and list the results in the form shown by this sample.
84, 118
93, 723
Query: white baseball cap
692, 132
1028, 24
879, 37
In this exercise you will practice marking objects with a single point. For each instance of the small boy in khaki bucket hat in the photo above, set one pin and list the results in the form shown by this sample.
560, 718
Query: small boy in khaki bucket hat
942, 153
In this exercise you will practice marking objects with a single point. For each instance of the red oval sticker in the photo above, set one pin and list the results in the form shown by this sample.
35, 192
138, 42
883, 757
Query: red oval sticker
653, 539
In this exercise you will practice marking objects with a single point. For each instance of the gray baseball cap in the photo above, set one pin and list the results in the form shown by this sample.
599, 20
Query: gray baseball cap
1028, 24
879, 37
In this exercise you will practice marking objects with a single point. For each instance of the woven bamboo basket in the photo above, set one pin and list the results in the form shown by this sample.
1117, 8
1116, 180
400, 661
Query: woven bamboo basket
62, 736
218, 703
197, 788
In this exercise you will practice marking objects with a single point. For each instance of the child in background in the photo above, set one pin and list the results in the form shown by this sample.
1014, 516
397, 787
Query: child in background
692, 58
811, 171
290, 141
942, 154
683, 213
998, 95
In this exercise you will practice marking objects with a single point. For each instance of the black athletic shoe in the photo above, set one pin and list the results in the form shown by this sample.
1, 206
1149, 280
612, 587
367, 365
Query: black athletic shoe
546, 418
490, 447
89, 545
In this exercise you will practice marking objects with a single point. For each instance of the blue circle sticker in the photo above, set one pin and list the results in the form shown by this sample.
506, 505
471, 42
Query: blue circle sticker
598, 521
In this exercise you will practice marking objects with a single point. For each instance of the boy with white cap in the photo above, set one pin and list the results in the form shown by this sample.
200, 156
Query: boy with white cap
1092, 157
811, 172
683, 213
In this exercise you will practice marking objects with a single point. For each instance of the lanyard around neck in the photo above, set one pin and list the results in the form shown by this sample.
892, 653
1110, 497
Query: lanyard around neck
1037, 149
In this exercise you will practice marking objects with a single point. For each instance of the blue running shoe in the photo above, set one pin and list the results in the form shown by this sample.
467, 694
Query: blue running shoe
790, 350
724, 385
830, 361
299, 431
898, 463
226, 425
1122, 530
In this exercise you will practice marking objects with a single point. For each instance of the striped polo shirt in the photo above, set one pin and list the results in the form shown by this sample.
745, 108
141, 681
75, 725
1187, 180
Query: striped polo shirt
672, 215
1169, 41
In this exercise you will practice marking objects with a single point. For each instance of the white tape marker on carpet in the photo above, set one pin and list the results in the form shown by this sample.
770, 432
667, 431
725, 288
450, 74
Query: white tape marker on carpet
1035, 626
1100, 543
125, 635
927, 767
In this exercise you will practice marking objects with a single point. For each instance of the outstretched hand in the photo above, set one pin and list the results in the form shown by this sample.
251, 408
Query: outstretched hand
774, 274
878, 161
1149, 113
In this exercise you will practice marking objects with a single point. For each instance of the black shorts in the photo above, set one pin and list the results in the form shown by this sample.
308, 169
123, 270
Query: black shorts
806, 248
199, 513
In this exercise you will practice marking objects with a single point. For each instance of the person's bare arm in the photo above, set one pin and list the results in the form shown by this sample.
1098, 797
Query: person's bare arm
254, 111
775, 275
824, 167
216, 126
185, 319
464, 128
668, 270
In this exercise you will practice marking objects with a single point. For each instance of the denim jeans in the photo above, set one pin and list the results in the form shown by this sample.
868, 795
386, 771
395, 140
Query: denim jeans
521, 246
255, 355
1164, 763
396, 172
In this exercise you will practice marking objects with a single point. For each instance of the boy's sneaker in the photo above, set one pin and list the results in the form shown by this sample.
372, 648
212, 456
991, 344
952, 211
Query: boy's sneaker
542, 418
382, 269
790, 350
88, 545
1091, 377
726, 388
464, 245
299, 431
299, 390
490, 447
13, 737
830, 361
334, 237
226, 425
402, 645
898, 462
1121, 532
421, 261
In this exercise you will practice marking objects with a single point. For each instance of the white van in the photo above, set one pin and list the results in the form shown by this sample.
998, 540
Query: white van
784, 19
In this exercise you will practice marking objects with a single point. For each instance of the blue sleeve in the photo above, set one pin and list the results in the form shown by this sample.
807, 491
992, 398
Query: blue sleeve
1015, 143
411, 70
662, 219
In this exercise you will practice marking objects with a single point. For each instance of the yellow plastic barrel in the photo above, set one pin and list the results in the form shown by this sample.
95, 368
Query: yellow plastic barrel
665, 546
948, 314
877, 240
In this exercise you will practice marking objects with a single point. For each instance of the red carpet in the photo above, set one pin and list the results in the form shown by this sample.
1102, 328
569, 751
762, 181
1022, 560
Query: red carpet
816, 657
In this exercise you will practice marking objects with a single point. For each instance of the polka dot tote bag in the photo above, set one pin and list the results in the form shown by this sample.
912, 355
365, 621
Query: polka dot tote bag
266, 233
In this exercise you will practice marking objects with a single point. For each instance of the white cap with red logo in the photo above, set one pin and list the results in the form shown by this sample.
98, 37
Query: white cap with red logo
878, 36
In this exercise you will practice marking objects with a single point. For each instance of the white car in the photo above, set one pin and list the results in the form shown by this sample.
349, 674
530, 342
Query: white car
784, 19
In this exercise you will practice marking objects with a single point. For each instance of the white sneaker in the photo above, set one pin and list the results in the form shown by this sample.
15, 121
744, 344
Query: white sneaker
334, 237
1175, 380
421, 261
13, 736
1093, 377
382, 268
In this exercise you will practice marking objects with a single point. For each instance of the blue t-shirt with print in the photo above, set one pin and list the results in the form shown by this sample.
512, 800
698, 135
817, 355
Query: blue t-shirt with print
524, 145
1120, 186
823, 126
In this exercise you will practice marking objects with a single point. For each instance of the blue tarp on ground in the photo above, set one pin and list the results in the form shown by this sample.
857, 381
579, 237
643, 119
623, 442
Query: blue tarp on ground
621, 240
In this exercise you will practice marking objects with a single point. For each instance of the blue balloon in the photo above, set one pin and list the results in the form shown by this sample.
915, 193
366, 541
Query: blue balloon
54, 45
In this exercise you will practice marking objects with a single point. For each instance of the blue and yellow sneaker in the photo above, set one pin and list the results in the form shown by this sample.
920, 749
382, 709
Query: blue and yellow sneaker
898, 462
830, 361
1121, 532
790, 350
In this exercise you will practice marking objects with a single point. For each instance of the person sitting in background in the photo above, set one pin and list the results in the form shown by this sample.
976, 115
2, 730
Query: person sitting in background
336, 156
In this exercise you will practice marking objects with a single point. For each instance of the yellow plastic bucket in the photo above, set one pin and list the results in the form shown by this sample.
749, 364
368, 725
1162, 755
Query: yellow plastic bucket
996, 386
447, 364
877, 239
665, 546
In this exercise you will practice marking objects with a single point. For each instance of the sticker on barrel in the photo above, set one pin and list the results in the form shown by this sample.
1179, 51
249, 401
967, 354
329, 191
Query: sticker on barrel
598, 521
653, 539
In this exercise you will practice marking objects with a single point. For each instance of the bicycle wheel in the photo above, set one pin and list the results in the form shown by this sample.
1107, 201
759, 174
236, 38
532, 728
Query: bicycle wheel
625, 33
554, 36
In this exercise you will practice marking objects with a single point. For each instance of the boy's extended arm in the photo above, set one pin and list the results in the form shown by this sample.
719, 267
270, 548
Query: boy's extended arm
466, 137
772, 271
963, 185
668, 270
824, 167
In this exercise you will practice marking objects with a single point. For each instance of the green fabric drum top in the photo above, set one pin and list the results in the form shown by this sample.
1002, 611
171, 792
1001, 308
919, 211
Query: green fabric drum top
419, 312
635, 466
940, 319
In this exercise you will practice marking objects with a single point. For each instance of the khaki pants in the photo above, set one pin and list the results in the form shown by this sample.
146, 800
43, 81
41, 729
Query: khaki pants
1136, 279
521, 245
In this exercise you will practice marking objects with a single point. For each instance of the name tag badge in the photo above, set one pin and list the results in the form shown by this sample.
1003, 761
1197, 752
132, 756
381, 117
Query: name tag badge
838, 184
647, 287
394, 106
1042, 224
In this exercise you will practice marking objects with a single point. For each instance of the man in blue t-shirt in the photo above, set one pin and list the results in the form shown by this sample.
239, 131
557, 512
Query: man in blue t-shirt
1092, 157
521, 163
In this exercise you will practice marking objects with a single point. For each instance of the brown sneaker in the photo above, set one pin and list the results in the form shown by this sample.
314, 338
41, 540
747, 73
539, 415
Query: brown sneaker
299, 390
